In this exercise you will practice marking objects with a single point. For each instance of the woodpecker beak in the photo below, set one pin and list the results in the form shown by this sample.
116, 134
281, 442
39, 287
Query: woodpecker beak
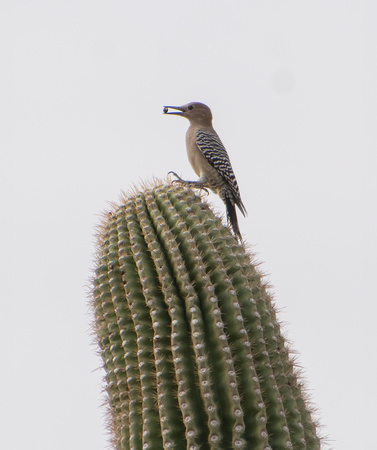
178, 112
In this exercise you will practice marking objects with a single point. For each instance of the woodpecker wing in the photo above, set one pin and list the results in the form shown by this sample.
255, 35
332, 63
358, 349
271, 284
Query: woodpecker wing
215, 153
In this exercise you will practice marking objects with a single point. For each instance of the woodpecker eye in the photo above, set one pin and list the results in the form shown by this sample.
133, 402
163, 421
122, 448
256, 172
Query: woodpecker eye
190, 107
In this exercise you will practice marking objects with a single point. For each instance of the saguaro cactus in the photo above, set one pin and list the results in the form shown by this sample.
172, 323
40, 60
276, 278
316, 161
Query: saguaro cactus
192, 350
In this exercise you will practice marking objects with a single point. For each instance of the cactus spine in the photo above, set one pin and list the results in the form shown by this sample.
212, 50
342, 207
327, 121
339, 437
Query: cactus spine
192, 350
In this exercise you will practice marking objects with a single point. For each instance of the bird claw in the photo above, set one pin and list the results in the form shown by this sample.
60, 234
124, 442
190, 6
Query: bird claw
193, 184
179, 179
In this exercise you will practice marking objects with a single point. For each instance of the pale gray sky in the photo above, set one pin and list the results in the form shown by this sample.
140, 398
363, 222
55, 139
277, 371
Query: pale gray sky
292, 87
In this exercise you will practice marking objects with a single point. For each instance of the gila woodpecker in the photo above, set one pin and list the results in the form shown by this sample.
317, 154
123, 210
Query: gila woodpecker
209, 159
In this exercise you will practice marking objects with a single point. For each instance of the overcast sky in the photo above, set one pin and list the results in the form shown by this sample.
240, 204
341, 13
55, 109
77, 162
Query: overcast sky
292, 87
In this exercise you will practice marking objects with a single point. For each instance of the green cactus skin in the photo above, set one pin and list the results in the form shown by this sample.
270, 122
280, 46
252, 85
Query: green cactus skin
192, 350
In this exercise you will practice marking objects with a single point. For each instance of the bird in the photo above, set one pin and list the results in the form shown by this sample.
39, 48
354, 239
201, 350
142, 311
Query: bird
209, 159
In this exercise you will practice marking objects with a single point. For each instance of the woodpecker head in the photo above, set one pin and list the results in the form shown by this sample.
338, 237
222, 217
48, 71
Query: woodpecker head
195, 112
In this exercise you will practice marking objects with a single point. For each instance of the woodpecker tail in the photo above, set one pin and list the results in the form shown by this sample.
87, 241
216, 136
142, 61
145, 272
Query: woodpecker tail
232, 216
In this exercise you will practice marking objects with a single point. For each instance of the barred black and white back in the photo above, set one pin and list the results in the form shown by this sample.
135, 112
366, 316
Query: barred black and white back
215, 153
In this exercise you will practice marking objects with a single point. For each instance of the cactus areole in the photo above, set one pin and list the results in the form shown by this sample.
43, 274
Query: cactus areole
192, 350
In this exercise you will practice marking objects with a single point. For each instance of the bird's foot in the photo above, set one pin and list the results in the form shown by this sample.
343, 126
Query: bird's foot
179, 179
193, 184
